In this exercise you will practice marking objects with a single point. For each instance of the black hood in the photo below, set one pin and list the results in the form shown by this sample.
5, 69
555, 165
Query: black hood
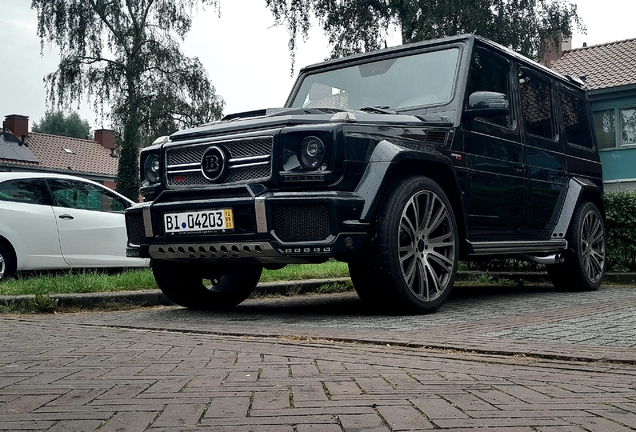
272, 118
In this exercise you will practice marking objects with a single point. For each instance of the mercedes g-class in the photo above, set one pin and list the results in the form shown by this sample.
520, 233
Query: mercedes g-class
400, 162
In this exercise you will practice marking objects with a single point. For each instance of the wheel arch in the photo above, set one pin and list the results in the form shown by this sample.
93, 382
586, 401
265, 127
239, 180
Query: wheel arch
4, 242
381, 174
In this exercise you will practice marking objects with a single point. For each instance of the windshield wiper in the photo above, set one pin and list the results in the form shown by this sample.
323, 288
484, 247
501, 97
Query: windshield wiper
378, 110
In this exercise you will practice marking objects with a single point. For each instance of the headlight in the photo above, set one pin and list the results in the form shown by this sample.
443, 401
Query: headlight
151, 169
311, 153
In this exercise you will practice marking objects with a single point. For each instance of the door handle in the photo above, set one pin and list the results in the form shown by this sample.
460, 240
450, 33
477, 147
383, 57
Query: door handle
66, 217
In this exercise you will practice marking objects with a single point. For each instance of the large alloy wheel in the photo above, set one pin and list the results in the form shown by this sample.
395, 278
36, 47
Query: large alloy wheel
584, 262
206, 287
7, 266
410, 258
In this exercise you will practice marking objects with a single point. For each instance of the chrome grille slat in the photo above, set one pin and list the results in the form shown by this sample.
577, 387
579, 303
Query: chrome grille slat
250, 160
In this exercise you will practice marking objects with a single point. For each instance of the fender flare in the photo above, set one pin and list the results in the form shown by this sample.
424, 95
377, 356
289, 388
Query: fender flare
383, 161
575, 189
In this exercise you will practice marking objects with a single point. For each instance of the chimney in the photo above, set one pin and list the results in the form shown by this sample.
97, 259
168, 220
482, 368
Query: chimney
18, 124
106, 138
556, 52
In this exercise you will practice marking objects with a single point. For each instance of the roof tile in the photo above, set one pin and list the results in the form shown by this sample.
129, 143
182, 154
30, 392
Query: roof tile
87, 156
608, 65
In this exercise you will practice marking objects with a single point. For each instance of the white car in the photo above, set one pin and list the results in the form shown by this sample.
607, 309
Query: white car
56, 221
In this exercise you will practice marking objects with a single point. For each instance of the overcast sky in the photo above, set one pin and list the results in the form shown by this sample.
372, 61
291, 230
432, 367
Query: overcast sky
245, 55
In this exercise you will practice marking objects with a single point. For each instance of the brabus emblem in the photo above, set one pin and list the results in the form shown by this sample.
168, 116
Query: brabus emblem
213, 164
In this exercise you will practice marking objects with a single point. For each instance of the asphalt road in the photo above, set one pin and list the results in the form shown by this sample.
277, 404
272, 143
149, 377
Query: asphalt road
505, 359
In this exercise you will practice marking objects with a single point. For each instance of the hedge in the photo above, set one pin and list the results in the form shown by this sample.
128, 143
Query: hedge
620, 225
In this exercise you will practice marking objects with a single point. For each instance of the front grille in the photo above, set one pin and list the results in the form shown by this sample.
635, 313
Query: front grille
135, 228
249, 161
301, 222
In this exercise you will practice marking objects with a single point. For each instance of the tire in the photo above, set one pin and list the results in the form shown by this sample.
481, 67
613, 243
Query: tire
584, 261
409, 260
7, 266
205, 287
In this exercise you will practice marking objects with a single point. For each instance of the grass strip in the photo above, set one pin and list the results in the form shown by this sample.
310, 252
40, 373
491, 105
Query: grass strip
133, 280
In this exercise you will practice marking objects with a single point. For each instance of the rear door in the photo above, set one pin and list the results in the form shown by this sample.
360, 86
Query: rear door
91, 224
547, 169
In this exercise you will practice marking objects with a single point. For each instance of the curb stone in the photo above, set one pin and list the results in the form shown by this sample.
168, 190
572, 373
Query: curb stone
157, 298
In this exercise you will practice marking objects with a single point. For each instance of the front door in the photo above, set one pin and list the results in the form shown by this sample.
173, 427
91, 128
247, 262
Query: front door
495, 193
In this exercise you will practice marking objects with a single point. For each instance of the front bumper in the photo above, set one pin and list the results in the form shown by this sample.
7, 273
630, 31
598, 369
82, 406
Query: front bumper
270, 227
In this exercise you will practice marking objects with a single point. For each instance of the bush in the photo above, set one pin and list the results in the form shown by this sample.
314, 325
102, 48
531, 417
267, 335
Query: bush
620, 221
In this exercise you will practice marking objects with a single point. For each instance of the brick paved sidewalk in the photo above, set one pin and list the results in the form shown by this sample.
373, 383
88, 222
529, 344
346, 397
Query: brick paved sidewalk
59, 374
285, 365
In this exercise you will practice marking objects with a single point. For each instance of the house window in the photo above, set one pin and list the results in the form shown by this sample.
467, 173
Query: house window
605, 127
615, 127
628, 125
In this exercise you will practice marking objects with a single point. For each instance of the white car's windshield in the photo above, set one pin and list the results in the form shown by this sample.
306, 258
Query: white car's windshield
395, 83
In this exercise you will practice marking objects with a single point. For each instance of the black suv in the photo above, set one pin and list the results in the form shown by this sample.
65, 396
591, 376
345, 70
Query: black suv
400, 162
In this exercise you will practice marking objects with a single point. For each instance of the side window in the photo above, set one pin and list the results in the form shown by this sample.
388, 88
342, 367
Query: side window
575, 120
30, 191
536, 104
489, 74
85, 196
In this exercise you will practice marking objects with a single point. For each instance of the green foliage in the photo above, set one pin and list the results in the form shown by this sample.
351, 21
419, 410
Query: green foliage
79, 282
56, 123
530, 27
620, 225
484, 278
125, 57
335, 287
329, 270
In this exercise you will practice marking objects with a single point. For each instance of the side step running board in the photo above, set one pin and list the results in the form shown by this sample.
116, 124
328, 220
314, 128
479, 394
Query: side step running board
517, 247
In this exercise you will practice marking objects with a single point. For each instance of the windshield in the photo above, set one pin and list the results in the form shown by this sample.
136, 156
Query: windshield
395, 83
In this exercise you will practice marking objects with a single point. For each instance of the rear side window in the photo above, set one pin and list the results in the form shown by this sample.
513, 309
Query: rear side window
575, 119
536, 103
29, 191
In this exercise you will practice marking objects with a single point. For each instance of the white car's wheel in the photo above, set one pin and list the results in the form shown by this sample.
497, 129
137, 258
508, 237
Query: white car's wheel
7, 266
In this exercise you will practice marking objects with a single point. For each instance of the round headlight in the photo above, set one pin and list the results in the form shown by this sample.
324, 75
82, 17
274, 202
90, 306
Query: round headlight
311, 152
151, 169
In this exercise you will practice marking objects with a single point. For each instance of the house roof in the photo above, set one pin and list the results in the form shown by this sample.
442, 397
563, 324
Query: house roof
61, 153
604, 66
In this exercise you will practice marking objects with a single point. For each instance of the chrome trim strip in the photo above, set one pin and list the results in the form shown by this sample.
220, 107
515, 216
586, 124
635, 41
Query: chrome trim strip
251, 158
184, 166
248, 165
147, 222
185, 171
261, 215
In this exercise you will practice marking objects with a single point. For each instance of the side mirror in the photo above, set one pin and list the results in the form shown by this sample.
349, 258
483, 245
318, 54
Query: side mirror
487, 104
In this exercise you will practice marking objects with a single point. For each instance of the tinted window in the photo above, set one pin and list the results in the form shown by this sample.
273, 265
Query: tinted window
536, 103
575, 119
489, 74
31, 191
85, 196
